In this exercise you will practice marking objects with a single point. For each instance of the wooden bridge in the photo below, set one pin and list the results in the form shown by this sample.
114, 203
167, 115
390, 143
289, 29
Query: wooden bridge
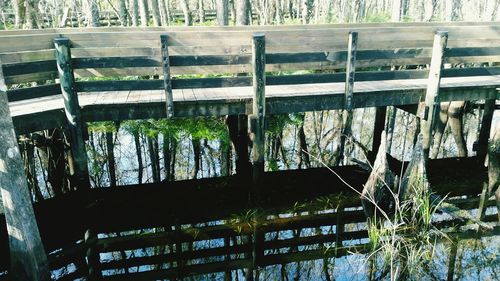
67, 77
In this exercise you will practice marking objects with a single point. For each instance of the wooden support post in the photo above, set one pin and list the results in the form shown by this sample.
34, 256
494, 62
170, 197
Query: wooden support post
380, 113
80, 176
432, 94
92, 256
484, 133
349, 89
28, 260
350, 68
167, 80
259, 105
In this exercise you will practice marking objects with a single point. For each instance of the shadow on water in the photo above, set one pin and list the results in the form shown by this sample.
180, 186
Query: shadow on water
309, 227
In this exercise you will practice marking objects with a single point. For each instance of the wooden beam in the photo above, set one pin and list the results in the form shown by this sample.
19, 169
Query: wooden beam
259, 105
80, 171
27, 255
432, 94
167, 81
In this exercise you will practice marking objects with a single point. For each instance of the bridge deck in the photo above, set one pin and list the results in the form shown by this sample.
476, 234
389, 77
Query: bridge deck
280, 99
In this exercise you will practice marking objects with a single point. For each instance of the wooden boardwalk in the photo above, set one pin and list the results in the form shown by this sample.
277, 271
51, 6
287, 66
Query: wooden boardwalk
123, 105
201, 66
63, 78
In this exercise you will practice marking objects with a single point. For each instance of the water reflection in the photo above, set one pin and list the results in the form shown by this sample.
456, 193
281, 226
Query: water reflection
314, 240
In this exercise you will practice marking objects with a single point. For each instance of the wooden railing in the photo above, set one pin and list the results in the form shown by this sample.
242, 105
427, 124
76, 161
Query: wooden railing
381, 51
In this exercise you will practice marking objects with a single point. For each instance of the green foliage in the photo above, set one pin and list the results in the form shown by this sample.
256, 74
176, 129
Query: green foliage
197, 128
377, 18
102, 127
276, 123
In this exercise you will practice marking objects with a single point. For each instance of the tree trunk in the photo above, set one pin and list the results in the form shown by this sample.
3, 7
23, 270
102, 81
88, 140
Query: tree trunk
166, 157
196, 160
143, 11
19, 13
222, 12
111, 158
439, 128
31, 17
304, 152
156, 13
164, 15
225, 158
307, 6
27, 255
455, 118
134, 12
138, 150
201, 11
30, 170
280, 18
153, 156
92, 14
123, 12
173, 153
188, 18
242, 7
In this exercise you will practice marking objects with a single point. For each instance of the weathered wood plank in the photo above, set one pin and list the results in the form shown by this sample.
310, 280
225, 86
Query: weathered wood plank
432, 92
27, 254
257, 130
33, 92
167, 80
72, 108
347, 113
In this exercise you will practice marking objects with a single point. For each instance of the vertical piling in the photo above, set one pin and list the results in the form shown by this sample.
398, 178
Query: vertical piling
167, 81
259, 105
28, 260
80, 176
347, 114
432, 93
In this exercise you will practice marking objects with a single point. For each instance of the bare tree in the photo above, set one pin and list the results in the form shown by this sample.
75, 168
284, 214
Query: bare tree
156, 13
92, 13
242, 13
307, 6
18, 6
188, 18
222, 9
123, 12
164, 13
143, 11
134, 12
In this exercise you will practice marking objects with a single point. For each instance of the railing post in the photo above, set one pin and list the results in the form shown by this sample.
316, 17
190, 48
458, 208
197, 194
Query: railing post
259, 105
167, 80
27, 255
432, 94
349, 89
79, 173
